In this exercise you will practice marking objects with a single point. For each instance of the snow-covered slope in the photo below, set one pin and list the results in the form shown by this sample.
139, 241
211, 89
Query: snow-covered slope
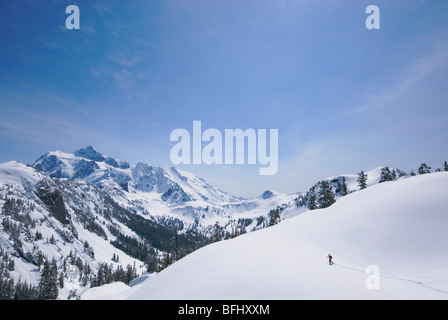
83, 209
76, 209
373, 178
399, 227
69, 221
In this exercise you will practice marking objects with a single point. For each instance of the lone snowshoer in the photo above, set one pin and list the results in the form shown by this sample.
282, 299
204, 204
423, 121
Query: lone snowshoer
329, 259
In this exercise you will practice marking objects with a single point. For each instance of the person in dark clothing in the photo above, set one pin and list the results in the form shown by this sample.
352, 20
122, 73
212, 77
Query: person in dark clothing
329, 259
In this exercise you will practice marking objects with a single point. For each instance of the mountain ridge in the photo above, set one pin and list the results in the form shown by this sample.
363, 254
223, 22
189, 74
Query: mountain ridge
85, 209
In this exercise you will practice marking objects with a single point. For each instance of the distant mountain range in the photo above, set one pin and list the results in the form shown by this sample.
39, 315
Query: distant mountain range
85, 209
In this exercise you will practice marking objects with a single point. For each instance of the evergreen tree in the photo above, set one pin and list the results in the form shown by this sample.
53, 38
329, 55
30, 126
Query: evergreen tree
131, 273
73, 294
166, 261
362, 180
344, 190
312, 200
445, 166
217, 232
394, 175
86, 274
176, 245
386, 175
151, 262
48, 284
109, 273
24, 291
274, 216
61, 280
100, 278
7, 289
119, 274
326, 195
11, 265
424, 168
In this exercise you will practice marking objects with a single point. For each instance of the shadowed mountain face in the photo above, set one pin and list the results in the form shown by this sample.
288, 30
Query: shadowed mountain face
88, 164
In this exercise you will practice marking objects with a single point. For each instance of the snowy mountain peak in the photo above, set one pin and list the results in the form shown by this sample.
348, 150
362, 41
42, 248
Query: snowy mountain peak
267, 194
170, 186
89, 153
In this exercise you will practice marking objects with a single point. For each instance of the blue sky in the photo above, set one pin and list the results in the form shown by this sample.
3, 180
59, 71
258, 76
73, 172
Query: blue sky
343, 98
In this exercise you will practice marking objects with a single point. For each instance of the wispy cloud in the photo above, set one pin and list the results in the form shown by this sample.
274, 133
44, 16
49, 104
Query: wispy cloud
125, 59
409, 80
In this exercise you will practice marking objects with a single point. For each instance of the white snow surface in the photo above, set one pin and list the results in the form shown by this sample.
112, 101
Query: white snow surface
399, 227
112, 291
14, 172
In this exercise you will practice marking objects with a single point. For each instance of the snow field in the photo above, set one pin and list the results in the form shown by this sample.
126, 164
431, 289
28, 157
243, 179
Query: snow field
400, 227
